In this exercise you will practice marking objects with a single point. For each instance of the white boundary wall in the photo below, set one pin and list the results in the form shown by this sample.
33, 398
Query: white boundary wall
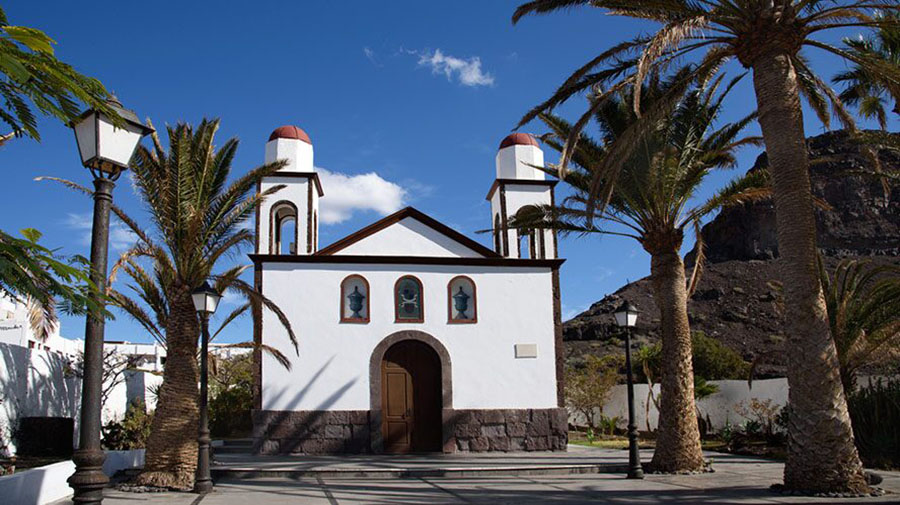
37, 383
721, 407
47, 484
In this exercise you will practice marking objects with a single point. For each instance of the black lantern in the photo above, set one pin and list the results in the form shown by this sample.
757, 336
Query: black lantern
206, 300
626, 317
105, 147
356, 302
461, 302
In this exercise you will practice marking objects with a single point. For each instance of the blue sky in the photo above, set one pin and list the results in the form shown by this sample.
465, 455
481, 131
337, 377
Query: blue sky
417, 93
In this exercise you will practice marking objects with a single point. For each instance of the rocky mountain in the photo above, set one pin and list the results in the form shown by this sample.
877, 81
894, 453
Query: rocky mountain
857, 217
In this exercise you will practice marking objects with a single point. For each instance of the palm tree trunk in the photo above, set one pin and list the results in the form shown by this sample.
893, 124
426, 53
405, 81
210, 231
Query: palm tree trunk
678, 440
821, 453
171, 457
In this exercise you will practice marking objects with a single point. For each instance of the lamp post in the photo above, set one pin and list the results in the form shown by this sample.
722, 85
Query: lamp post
105, 149
626, 317
206, 299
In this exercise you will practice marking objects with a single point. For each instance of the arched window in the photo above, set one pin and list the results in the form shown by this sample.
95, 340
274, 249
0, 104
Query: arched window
354, 299
462, 300
409, 306
283, 228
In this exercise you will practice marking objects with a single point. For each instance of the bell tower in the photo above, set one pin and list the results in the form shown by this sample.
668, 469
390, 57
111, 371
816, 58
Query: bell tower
519, 184
287, 221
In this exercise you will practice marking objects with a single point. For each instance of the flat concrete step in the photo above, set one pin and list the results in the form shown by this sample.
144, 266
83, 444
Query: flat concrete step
233, 449
251, 473
237, 442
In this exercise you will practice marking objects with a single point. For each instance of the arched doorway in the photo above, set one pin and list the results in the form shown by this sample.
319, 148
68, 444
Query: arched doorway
411, 398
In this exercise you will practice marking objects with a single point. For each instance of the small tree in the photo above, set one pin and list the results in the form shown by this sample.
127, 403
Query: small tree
588, 386
115, 364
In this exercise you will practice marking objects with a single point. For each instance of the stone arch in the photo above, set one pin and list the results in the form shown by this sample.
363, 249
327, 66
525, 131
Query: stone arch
375, 415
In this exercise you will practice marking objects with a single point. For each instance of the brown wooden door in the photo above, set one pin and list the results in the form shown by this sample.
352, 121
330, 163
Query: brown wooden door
411, 398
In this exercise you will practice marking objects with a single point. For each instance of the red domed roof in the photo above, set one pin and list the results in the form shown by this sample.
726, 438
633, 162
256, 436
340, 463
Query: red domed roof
289, 132
524, 139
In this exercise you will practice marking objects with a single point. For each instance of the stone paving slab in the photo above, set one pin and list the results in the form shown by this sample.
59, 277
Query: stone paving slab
737, 480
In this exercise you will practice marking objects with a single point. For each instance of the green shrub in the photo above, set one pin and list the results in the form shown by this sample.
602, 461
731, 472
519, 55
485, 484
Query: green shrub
129, 433
229, 412
231, 396
875, 413
712, 359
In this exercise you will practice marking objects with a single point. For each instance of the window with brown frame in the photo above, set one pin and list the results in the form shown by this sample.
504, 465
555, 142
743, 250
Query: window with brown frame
409, 306
462, 301
354, 299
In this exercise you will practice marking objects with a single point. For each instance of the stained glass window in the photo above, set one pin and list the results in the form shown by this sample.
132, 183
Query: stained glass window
408, 303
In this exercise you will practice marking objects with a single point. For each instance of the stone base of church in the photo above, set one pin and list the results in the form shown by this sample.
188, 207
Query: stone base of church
311, 432
506, 430
350, 431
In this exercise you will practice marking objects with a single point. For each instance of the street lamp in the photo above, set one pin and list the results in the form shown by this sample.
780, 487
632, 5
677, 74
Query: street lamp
626, 317
206, 299
106, 147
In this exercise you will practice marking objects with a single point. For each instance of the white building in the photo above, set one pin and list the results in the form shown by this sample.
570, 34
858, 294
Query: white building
412, 336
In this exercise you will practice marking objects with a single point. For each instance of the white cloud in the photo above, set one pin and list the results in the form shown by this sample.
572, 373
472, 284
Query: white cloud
346, 194
120, 237
570, 312
467, 71
370, 55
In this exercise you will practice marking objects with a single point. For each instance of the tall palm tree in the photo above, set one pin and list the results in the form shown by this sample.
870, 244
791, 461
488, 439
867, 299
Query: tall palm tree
197, 221
864, 313
654, 204
869, 91
765, 36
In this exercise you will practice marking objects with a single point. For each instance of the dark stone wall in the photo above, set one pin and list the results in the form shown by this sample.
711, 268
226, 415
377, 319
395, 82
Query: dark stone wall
507, 430
330, 432
311, 432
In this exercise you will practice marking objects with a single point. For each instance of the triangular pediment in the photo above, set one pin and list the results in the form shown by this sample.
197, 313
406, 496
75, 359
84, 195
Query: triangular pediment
408, 233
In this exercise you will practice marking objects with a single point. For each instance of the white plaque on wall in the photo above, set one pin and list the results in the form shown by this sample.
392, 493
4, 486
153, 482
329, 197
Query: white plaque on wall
526, 350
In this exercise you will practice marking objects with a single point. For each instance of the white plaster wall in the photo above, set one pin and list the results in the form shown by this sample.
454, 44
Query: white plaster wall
409, 237
515, 305
720, 407
295, 191
515, 162
298, 153
34, 383
37, 383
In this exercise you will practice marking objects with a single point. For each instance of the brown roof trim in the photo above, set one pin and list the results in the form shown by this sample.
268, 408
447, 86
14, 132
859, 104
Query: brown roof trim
259, 259
524, 182
302, 175
399, 216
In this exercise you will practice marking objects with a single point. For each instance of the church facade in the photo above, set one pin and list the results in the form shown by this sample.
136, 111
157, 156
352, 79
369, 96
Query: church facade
412, 337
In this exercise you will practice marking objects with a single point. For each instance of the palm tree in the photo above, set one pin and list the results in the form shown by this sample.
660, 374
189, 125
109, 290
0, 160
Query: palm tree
653, 204
864, 313
765, 36
43, 280
866, 90
197, 221
33, 74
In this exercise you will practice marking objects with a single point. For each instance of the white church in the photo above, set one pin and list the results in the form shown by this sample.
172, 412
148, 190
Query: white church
412, 336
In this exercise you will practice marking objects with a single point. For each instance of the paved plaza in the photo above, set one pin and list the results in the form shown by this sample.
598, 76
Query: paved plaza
529, 479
